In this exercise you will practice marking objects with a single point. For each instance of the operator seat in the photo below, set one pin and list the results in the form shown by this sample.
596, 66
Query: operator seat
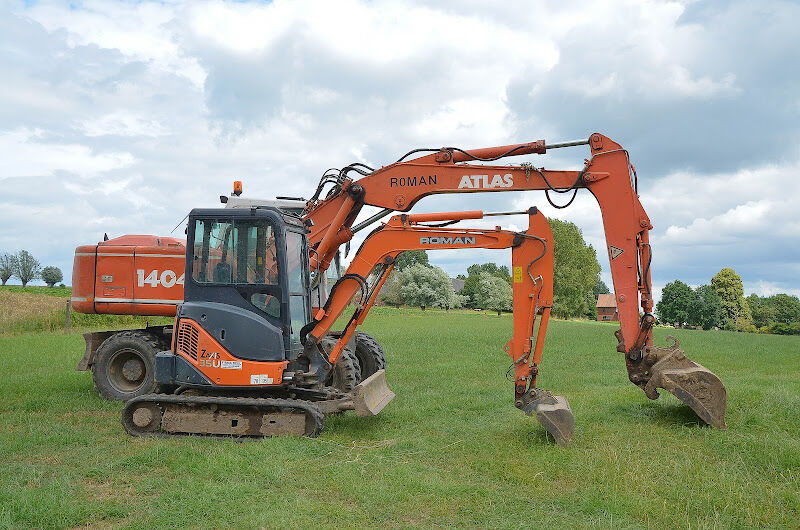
222, 272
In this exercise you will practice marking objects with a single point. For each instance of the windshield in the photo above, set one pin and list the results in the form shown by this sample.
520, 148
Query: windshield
234, 252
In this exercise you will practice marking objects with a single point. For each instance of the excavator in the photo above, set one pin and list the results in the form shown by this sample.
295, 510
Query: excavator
249, 358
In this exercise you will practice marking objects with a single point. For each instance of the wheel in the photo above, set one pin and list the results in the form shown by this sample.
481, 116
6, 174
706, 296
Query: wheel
124, 365
370, 355
346, 374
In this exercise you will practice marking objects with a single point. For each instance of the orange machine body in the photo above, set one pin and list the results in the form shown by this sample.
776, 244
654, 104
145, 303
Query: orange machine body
198, 347
129, 275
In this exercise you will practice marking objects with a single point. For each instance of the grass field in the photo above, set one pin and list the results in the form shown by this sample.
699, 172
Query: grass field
450, 450
39, 308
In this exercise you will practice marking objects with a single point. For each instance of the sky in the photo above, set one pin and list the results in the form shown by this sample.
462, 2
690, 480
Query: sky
119, 117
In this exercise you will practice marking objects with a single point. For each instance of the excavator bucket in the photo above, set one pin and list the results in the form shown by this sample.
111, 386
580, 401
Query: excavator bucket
692, 383
553, 412
372, 394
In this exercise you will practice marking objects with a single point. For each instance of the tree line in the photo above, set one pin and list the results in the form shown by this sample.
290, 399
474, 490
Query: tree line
27, 268
576, 283
722, 304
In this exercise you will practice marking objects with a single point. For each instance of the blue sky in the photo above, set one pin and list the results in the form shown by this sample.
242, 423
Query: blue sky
120, 117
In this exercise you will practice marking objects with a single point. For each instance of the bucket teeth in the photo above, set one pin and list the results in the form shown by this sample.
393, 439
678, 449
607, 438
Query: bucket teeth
553, 412
695, 385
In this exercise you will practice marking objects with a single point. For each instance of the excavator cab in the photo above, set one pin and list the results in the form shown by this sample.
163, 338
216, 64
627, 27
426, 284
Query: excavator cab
237, 335
246, 298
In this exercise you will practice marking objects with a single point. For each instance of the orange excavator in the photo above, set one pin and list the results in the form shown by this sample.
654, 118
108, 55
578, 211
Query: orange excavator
249, 357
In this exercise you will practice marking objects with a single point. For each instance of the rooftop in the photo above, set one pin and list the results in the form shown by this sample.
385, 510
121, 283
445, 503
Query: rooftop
606, 300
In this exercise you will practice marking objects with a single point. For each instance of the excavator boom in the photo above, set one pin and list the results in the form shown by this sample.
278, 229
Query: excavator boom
610, 178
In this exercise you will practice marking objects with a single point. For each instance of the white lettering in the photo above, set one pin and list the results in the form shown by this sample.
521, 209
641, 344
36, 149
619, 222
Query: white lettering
483, 181
466, 240
167, 278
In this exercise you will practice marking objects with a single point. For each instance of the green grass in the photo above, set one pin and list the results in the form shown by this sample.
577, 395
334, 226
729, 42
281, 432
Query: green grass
450, 450
60, 292
33, 315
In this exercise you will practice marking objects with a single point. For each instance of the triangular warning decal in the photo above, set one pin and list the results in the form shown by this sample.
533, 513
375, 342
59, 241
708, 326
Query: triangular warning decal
614, 251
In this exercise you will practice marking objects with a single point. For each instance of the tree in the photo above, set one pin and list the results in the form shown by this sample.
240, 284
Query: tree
52, 275
576, 270
735, 312
411, 257
492, 268
600, 288
787, 308
676, 302
493, 293
706, 308
767, 311
474, 271
8, 266
27, 267
427, 286
763, 312
390, 292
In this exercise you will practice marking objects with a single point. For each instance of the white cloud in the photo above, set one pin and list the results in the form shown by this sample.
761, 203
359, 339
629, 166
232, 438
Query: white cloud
164, 104
29, 153
123, 123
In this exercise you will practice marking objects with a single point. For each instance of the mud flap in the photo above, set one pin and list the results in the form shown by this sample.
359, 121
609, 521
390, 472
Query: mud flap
553, 412
372, 394
695, 385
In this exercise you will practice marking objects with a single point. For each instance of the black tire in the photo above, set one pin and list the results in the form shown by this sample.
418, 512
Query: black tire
124, 365
370, 355
346, 374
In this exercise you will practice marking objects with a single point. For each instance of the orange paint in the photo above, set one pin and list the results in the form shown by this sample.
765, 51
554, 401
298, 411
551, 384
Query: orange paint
217, 364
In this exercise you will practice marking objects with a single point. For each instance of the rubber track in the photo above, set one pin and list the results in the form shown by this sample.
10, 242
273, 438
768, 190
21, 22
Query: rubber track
308, 407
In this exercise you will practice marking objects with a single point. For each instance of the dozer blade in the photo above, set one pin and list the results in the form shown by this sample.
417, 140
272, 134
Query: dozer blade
372, 394
553, 412
692, 383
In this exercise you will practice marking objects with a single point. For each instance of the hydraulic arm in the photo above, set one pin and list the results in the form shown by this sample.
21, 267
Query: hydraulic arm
608, 175
532, 280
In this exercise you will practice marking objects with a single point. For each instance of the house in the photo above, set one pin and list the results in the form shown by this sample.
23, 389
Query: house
607, 308
458, 284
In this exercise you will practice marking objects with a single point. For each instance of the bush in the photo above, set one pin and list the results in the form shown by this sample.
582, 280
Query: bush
779, 328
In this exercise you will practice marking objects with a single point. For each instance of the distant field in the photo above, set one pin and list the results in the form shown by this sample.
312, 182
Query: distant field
61, 292
40, 308
450, 450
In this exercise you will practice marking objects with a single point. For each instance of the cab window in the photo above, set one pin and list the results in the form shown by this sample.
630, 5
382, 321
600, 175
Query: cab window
298, 301
234, 252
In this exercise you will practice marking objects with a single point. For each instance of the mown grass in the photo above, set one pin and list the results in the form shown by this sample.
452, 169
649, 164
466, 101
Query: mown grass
38, 308
450, 450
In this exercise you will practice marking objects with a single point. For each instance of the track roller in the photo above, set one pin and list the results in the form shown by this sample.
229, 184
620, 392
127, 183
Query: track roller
181, 415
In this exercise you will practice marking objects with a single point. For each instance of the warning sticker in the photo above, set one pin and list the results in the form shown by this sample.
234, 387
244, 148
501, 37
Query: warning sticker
231, 365
517, 274
614, 251
261, 379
